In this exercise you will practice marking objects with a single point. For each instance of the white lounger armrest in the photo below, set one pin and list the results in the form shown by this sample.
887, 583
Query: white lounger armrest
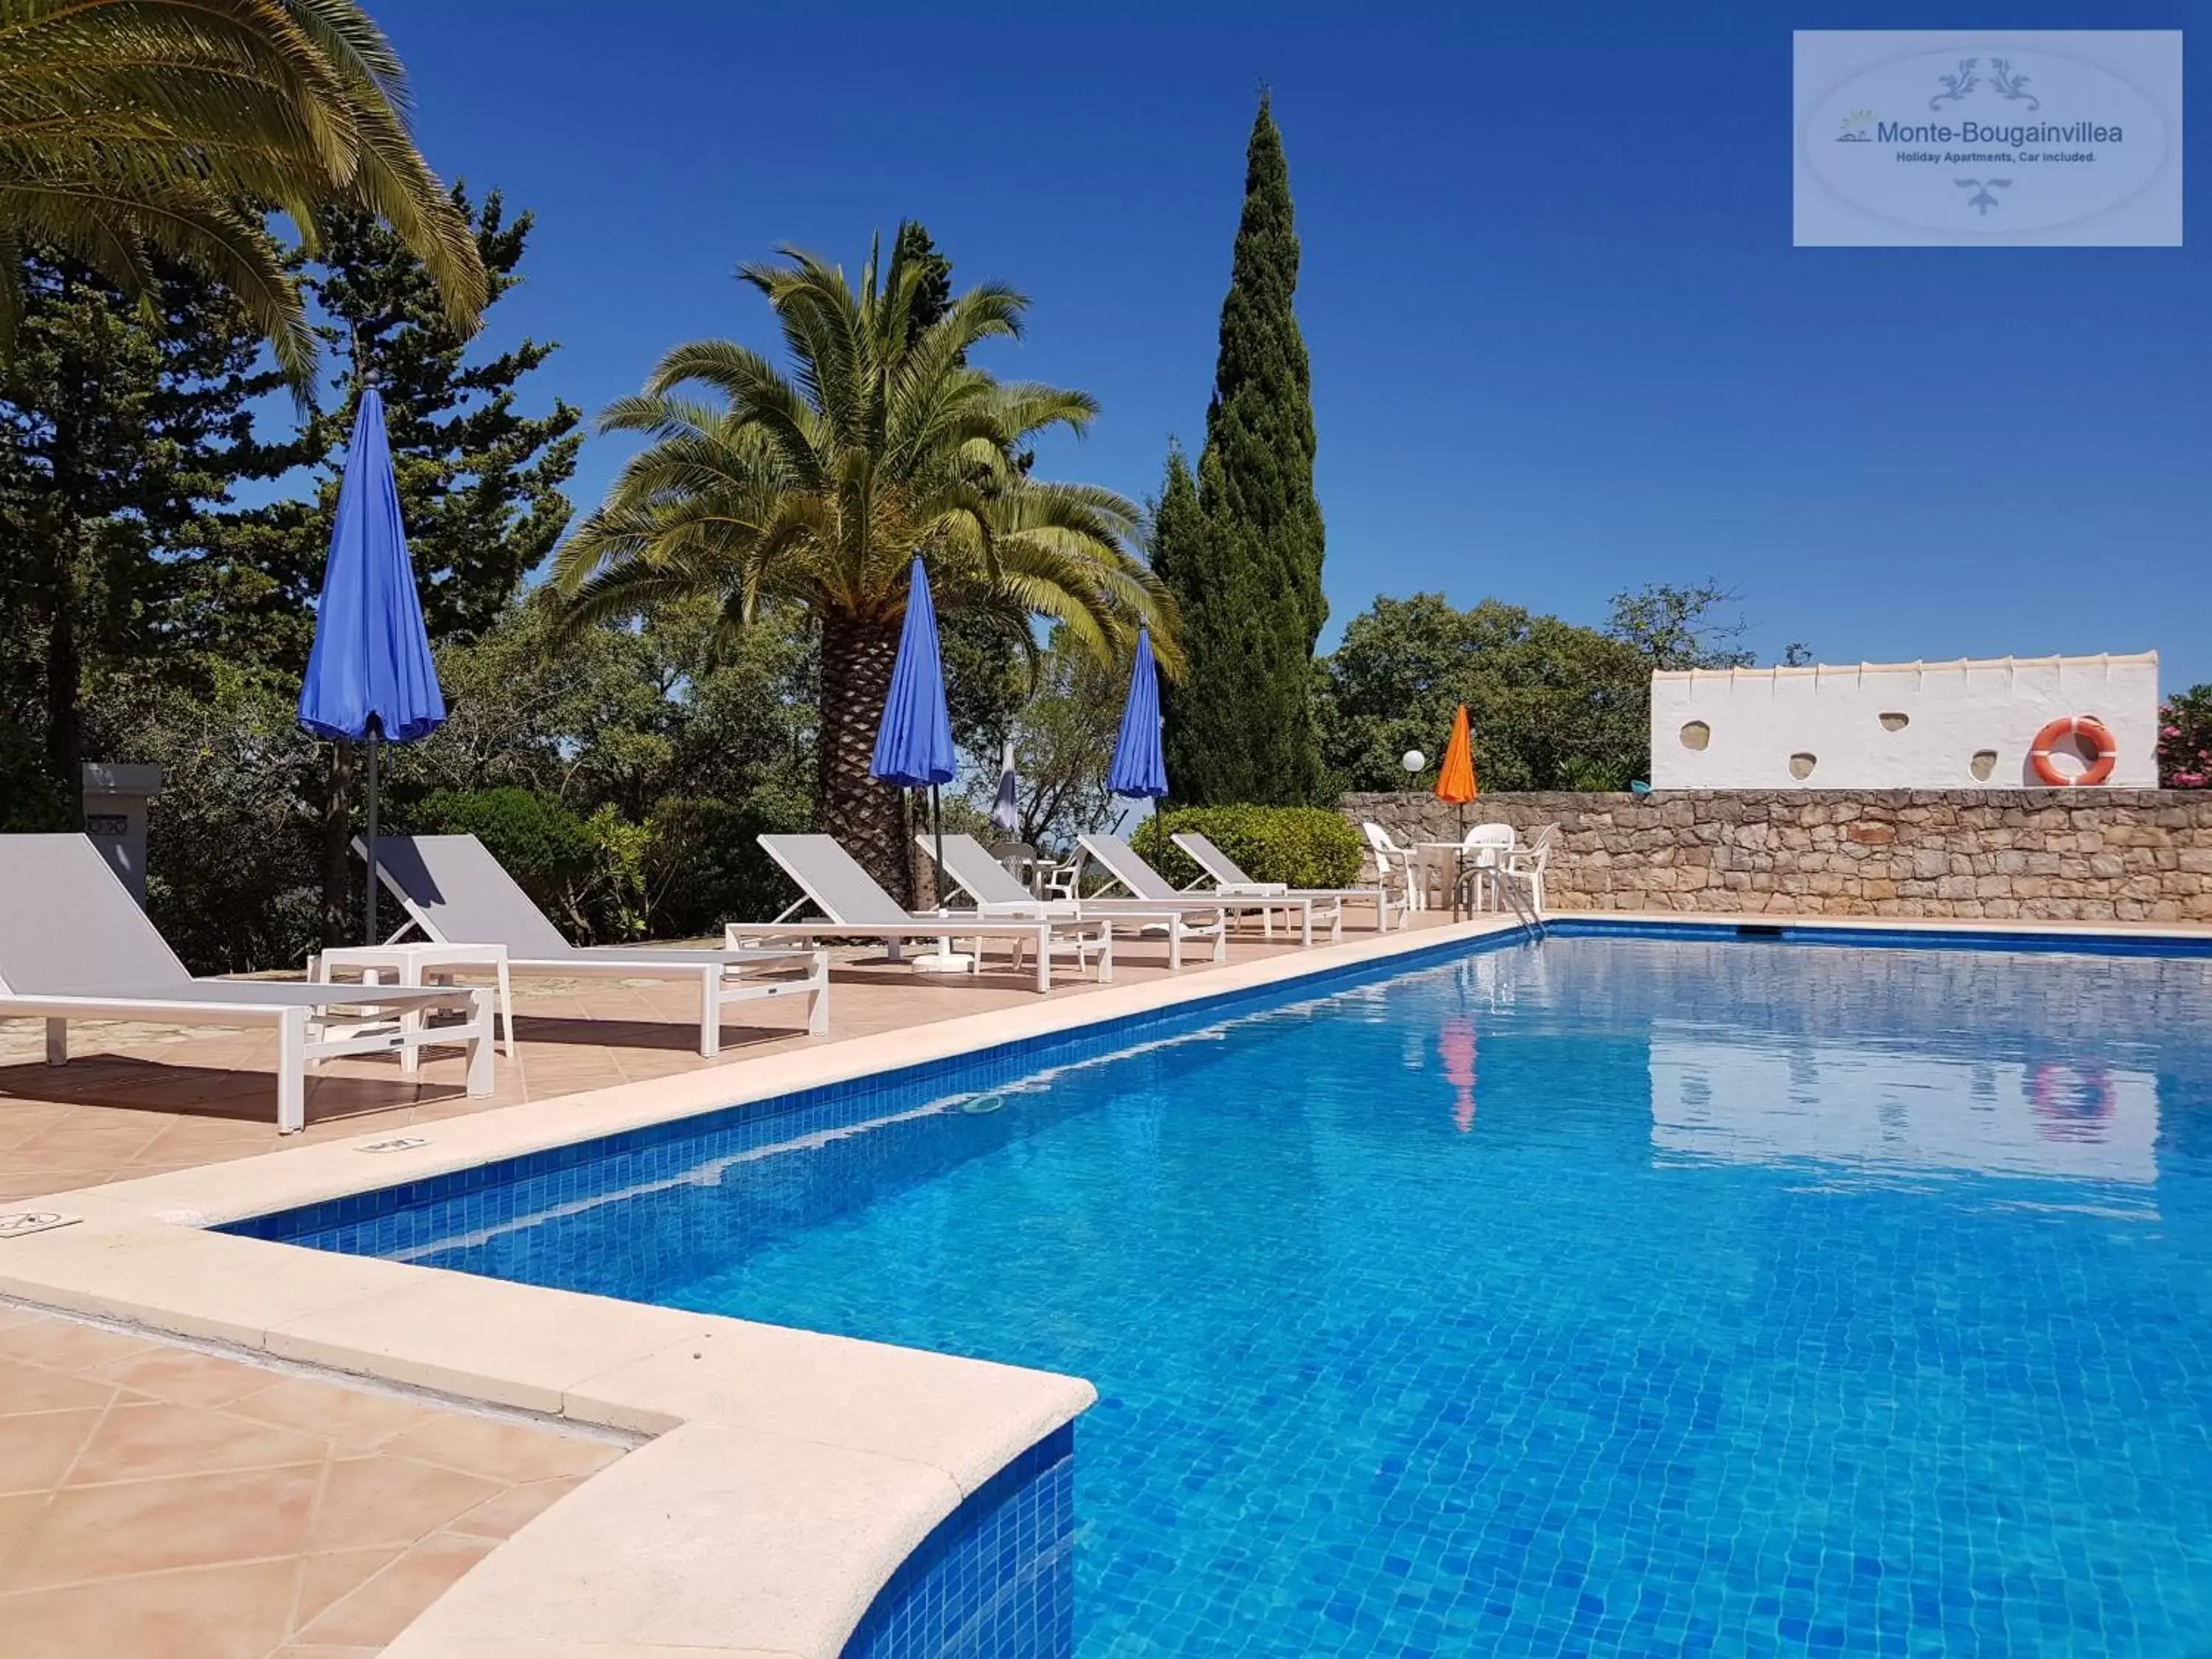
1253, 889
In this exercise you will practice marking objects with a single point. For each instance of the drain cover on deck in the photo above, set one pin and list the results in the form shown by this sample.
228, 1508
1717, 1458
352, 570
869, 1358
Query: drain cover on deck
21, 1224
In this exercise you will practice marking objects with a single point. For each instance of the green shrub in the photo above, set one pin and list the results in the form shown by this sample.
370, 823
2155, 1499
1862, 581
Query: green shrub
547, 848
233, 877
704, 865
1300, 846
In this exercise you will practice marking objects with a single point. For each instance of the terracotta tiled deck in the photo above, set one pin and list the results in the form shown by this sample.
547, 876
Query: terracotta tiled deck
137, 1100
161, 1503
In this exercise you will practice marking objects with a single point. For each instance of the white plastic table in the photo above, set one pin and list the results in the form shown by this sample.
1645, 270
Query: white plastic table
417, 962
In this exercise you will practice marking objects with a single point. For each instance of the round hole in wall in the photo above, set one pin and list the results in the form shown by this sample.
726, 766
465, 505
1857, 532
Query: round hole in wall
1696, 735
1893, 721
1984, 763
1801, 765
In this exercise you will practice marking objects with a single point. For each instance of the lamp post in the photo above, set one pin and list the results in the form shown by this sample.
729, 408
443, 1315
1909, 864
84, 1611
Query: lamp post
1413, 760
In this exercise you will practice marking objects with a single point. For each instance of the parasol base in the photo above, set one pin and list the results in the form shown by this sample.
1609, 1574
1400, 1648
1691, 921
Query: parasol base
943, 960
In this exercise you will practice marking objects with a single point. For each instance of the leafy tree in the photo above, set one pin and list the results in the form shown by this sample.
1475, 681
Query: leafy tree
1259, 561
231, 874
1553, 706
816, 489
668, 758
1063, 734
119, 447
1673, 627
136, 135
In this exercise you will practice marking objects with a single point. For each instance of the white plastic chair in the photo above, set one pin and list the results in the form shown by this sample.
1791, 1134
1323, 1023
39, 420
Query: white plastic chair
1529, 862
1385, 850
1063, 882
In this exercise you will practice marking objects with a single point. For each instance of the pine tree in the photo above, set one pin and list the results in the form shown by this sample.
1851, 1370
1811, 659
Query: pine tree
122, 437
1242, 727
480, 483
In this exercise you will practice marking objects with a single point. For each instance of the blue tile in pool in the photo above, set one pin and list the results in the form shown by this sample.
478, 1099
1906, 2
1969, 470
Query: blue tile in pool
995, 1579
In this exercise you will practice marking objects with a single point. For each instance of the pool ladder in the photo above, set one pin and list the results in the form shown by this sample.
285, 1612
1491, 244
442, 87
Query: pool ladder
1513, 891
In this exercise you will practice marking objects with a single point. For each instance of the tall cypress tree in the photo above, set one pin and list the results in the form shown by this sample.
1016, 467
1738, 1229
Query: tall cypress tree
1242, 727
1201, 715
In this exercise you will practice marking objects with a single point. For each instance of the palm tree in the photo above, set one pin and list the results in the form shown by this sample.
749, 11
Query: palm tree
816, 488
134, 131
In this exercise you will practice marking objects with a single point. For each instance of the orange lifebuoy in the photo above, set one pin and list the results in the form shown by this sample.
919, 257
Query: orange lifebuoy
2092, 732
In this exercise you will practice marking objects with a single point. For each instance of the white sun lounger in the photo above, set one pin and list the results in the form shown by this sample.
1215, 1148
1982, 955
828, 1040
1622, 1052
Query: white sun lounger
456, 893
1228, 877
74, 945
1120, 861
996, 893
853, 907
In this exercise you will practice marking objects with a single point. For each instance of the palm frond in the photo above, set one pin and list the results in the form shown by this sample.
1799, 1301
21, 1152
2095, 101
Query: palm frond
134, 128
816, 483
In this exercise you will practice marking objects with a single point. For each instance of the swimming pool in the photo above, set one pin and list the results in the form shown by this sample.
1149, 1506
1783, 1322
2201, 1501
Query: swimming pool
1610, 1294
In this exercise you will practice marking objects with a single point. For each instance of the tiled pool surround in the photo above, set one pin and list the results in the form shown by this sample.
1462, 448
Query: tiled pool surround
123, 1260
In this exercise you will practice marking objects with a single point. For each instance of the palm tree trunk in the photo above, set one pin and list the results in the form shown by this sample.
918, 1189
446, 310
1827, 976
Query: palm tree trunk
867, 816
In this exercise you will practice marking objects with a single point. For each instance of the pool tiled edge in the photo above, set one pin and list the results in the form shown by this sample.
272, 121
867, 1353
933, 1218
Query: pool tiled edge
996, 1579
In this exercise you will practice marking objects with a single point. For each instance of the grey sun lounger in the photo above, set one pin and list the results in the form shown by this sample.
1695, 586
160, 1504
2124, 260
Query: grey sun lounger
456, 893
1118, 859
853, 907
1229, 877
74, 945
996, 893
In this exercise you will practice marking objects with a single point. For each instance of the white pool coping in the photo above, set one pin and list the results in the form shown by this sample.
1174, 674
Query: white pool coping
790, 1473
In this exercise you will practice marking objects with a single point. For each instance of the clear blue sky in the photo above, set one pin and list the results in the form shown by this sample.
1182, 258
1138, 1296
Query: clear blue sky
1561, 345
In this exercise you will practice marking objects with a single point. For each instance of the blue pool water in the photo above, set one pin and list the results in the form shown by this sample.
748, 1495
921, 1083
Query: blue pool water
1609, 1295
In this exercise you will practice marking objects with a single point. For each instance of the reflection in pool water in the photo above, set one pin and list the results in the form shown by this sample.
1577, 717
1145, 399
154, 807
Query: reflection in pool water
1751, 1102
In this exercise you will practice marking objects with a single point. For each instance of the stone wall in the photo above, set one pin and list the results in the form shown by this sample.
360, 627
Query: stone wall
2046, 854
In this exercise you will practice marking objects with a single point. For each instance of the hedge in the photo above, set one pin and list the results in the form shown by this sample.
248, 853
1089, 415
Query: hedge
1300, 846
540, 842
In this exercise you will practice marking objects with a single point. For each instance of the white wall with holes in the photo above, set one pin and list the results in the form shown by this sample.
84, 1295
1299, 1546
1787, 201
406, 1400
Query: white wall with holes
1966, 725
